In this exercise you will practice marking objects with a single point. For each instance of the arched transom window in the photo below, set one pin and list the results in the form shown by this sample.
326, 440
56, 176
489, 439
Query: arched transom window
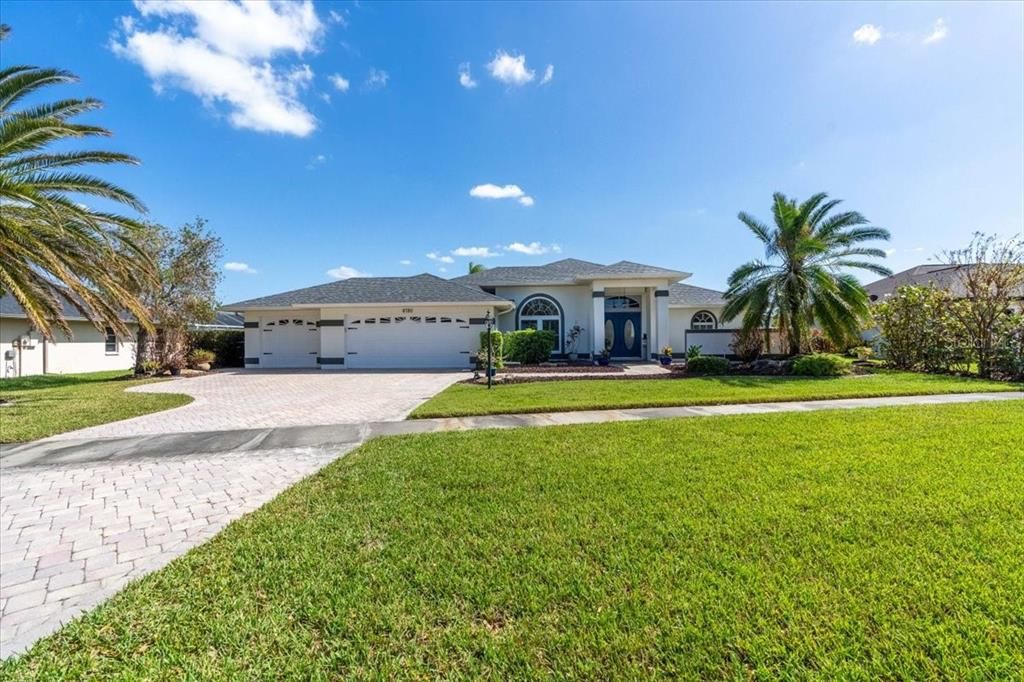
541, 312
703, 321
621, 303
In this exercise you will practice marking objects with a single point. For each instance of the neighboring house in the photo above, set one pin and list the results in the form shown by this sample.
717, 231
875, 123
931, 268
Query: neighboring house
25, 352
425, 321
940, 276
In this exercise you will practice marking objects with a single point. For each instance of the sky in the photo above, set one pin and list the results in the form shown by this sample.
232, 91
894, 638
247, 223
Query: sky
324, 140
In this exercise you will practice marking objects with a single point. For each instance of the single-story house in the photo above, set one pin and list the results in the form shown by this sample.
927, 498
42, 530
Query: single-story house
425, 321
26, 352
939, 275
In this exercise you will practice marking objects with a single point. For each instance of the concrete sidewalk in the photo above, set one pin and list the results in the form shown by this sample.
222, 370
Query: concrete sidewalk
71, 451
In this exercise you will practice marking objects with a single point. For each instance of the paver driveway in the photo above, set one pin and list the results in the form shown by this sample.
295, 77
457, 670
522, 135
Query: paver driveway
246, 399
73, 535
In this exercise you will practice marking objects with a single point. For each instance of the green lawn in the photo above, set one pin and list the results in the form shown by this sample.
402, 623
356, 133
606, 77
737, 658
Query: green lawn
876, 544
597, 394
54, 403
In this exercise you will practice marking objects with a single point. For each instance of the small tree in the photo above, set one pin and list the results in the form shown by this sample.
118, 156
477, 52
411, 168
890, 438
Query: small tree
187, 287
920, 330
991, 273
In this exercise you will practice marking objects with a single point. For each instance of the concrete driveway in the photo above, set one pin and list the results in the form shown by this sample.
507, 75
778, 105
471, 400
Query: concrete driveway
246, 399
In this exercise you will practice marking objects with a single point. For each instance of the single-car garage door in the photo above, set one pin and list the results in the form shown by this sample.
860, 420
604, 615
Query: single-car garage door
410, 341
292, 341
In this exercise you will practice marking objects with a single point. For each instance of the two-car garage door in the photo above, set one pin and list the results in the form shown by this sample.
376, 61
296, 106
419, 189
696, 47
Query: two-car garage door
409, 341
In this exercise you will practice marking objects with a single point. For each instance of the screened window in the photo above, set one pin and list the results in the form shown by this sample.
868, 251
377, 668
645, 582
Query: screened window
703, 321
110, 341
541, 312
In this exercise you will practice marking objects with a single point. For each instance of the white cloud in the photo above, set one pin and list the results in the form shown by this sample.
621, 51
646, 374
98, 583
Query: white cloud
490, 191
405, 261
939, 32
325, 96
442, 269
377, 79
434, 256
235, 266
465, 77
345, 272
339, 82
868, 34
532, 249
474, 252
336, 17
224, 53
510, 70
315, 161
549, 73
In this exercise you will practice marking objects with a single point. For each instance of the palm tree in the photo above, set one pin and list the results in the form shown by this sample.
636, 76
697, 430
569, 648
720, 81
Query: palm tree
476, 267
803, 279
53, 247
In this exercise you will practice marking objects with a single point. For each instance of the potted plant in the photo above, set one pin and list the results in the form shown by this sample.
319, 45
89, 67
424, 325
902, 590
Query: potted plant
572, 339
174, 364
201, 359
666, 356
604, 357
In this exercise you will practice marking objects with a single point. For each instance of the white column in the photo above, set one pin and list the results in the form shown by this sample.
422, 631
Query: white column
661, 317
597, 322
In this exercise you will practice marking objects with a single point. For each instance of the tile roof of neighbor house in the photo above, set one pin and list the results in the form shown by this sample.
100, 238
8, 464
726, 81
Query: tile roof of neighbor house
223, 320
424, 288
689, 295
9, 307
941, 276
565, 271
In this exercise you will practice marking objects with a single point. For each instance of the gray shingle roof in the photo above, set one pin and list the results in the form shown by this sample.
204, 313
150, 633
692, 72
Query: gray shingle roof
223, 320
686, 294
9, 307
565, 271
424, 288
940, 276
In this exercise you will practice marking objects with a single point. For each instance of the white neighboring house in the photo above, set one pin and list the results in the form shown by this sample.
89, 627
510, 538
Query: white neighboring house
25, 352
425, 321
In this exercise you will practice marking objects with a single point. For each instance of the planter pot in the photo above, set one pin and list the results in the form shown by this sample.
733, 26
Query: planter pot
493, 371
603, 362
665, 360
175, 371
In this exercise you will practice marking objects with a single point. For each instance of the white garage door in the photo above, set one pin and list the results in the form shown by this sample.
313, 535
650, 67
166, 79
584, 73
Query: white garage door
413, 341
292, 341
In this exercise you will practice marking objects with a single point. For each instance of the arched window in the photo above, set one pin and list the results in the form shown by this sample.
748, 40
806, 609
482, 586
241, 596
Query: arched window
703, 321
543, 313
621, 303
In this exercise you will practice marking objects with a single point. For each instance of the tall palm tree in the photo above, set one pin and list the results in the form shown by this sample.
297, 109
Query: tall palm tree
52, 246
476, 267
803, 280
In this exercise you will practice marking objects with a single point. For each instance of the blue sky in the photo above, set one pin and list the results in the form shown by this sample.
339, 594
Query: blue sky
658, 124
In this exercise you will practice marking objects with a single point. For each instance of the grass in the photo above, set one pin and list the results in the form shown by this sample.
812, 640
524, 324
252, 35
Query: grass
556, 396
49, 404
876, 544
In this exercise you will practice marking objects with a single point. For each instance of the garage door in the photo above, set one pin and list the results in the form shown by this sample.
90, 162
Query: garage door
292, 341
414, 341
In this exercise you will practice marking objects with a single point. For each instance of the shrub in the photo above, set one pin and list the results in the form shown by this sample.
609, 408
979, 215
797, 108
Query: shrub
707, 365
822, 365
228, 345
200, 356
821, 343
747, 344
860, 352
1009, 355
497, 349
920, 331
529, 346
693, 351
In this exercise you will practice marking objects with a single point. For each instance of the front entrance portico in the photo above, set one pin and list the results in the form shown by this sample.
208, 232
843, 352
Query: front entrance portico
630, 319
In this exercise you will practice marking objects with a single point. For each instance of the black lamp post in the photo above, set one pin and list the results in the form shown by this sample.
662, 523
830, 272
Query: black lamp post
489, 320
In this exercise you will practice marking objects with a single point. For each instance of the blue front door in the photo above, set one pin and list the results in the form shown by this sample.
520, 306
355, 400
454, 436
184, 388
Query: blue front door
622, 334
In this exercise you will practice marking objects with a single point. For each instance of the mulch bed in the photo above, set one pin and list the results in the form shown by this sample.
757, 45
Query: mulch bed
610, 376
566, 369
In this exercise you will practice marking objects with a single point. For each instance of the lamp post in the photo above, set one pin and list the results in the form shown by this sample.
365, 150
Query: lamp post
489, 320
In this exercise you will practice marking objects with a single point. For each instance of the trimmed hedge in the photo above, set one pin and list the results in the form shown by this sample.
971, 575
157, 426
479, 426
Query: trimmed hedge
529, 346
228, 345
822, 365
707, 365
497, 349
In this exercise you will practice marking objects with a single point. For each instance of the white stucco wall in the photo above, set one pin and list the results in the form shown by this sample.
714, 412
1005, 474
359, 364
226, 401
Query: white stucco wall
577, 306
85, 351
679, 325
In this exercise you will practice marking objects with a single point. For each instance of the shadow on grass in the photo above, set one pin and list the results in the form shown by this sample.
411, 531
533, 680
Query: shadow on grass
42, 381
